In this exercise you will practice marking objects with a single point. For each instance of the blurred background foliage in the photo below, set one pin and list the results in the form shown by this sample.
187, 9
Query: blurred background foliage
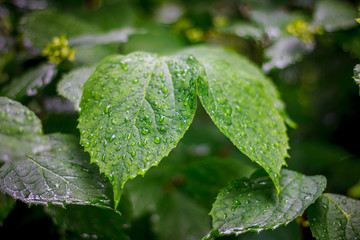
308, 47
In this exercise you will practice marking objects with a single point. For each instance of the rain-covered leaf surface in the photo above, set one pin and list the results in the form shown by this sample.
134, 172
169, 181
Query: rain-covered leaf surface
36, 27
335, 216
31, 82
357, 75
92, 222
334, 15
71, 85
284, 52
62, 175
20, 132
253, 204
6, 205
245, 106
134, 110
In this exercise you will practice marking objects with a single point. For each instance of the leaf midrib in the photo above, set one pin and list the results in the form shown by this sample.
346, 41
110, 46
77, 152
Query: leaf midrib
343, 212
140, 106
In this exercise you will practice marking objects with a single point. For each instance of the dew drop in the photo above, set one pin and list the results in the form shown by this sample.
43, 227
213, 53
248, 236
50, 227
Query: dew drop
157, 140
145, 131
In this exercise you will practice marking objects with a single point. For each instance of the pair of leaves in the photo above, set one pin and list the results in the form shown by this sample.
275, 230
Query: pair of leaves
42, 169
135, 108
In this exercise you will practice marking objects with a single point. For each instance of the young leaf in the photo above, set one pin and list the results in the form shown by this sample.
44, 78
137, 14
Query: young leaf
20, 131
134, 110
335, 216
71, 85
357, 74
60, 176
253, 204
31, 82
245, 106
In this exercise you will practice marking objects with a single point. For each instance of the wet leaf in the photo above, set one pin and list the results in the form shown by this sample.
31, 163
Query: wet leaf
284, 52
20, 132
334, 15
71, 85
253, 204
31, 82
134, 110
335, 216
62, 175
245, 106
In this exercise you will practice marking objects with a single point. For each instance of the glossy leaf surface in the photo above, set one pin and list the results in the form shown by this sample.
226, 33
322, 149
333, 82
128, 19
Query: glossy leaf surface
20, 131
134, 110
245, 106
62, 175
335, 216
30, 82
253, 204
71, 85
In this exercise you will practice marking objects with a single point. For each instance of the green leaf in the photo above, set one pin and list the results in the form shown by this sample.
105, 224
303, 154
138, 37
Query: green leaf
334, 15
254, 205
357, 75
36, 27
71, 85
30, 82
60, 176
245, 106
6, 206
335, 216
20, 131
134, 110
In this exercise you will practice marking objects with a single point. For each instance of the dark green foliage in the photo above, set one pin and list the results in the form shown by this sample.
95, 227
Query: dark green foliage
178, 85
